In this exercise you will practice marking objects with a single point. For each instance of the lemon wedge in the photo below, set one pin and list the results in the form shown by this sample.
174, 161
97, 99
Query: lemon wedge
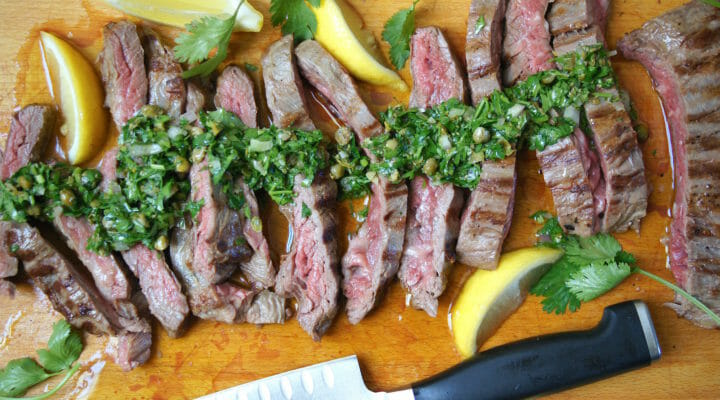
488, 297
181, 12
340, 31
77, 86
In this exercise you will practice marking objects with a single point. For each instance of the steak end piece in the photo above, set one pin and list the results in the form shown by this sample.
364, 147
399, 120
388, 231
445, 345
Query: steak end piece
483, 47
122, 65
680, 50
30, 132
310, 271
167, 88
235, 93
486, 220
526, 46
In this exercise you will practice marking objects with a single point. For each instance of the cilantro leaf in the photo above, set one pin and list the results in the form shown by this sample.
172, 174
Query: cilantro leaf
202, 37
558, 298
295, 17
596, 279
64, 348
306, 211
598, 248
397, 32
20, 375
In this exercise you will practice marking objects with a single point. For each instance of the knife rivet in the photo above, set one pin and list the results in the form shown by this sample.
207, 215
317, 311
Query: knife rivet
307, 382
328, 377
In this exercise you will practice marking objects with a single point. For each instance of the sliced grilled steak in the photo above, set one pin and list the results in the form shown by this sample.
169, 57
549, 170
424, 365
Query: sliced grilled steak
565, 175
259, 269
30, 132
310, 271
8, 261
283, 87
199, 98
681, 49
576, 23
267, 308
373, 255
526, 46
485, 222
122, 64
433, 215
167, 88
73, 294
483, 46
626, 192
235, 93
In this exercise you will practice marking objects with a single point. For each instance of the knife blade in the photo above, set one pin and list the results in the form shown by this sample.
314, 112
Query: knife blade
624, 340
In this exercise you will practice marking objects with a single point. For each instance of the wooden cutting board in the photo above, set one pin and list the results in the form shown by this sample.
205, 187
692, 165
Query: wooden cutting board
396, 345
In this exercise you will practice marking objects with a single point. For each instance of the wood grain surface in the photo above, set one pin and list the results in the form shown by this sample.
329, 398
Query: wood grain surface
396, 345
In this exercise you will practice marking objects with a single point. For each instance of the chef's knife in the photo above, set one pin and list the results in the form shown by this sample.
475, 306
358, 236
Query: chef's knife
623, 340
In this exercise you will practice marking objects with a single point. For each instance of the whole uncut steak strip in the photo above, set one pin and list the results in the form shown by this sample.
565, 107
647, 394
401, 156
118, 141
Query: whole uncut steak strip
433, 216
483, 47
309, 271
30, 131
126, 85
681, 50
486, 219
166, 86
373, 255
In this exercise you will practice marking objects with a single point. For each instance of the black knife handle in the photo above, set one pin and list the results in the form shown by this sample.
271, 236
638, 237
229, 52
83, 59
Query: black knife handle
623, 340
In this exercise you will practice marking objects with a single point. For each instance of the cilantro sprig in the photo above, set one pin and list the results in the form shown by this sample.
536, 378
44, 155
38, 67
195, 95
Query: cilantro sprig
202, 37
294, 17
64, 348
398, 30
590, 267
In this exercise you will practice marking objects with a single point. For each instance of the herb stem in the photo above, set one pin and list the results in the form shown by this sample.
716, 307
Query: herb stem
45, 395
682, 293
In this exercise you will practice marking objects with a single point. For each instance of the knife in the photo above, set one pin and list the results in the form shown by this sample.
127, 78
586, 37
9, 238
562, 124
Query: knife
624, 340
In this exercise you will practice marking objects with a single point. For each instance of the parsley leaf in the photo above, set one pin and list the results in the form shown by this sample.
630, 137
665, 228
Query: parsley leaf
295, 17
596, 279
19, 376
480, 24
201, 38
398, 30
64, 348
306, 211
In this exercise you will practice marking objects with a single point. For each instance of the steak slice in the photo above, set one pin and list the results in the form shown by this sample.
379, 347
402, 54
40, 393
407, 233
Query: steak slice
681, 49
73, 294
526, 46
576, 23
626, 193
167, 88
485, 222
283, 87
373, 255
564, 174
122, 65
235, 93
433, 215
30, 132
483, 46
310, 271
259, 269
199, 98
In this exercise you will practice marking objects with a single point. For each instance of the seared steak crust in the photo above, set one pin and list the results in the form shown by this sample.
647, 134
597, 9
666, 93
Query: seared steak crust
483, 47
283, 87
122, 64
576, 23
681, 49
310, 271
626, 192
485, 222
167, 88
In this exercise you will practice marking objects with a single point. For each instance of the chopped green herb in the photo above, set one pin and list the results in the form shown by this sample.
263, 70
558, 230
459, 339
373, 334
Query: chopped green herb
251, 67
480, 24
350, 168
306, 211
202, 37
541, 216
295, 17
398, 30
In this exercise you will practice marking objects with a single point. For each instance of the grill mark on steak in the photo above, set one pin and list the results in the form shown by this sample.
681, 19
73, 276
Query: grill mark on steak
373, 255
575, 23
283, 88
310, 271
122, 65
167, 88
626, 193
235, 93
680, 49
526, 46
433, 216
483, 47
